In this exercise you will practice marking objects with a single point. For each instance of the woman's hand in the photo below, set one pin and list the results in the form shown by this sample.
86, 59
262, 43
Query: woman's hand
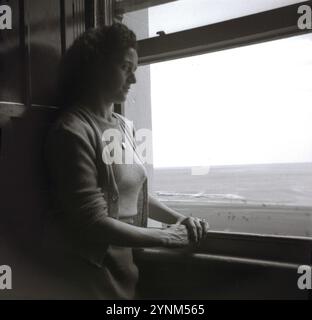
197, 228
175, 236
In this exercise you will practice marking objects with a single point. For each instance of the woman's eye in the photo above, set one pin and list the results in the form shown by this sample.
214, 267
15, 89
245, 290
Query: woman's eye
125, 67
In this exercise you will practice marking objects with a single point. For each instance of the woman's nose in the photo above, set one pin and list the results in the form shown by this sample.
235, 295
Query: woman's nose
132, 78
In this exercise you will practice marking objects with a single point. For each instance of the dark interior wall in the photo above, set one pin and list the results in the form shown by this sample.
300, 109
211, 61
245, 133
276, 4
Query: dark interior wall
29, 58
43, 48
12, 57
30, 52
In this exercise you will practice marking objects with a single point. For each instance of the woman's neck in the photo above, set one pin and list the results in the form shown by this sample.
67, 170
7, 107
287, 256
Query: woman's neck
104, 111
101, 109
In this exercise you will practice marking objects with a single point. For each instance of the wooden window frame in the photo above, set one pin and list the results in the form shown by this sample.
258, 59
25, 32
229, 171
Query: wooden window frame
260, 27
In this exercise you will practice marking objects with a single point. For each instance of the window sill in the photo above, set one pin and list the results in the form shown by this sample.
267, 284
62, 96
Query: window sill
244, 247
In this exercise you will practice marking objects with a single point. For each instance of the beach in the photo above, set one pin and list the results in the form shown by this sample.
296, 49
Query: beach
264, 199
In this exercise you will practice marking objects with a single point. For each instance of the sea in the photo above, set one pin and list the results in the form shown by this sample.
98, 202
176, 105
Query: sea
263, 198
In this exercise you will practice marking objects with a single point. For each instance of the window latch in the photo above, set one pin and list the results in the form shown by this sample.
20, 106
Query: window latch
161, 33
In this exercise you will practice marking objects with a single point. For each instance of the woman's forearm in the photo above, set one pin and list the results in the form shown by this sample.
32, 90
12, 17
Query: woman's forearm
160, 212
119, 233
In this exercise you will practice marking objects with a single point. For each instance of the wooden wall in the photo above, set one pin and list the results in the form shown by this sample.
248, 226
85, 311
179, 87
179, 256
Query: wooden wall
29, 58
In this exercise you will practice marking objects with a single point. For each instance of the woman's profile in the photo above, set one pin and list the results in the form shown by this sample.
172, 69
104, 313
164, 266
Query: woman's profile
99, 208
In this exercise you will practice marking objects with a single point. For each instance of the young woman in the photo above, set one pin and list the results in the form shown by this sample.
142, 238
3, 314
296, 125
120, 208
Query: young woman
100, 208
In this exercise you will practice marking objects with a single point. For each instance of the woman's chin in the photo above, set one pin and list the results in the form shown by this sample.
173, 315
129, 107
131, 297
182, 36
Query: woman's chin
121, 99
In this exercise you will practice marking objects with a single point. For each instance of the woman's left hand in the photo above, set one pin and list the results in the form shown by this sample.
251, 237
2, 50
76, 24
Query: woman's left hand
197, 228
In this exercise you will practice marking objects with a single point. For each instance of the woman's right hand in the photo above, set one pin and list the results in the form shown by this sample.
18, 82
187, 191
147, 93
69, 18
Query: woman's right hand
176, 236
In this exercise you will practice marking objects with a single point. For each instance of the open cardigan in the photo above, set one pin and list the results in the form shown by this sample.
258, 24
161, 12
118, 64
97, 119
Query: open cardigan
83, 186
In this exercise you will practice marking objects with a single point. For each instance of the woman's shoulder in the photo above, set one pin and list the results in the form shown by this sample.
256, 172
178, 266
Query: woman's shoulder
70, 120
68, 126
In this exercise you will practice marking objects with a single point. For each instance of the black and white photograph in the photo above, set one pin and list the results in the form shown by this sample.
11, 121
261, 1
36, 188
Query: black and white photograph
156, 150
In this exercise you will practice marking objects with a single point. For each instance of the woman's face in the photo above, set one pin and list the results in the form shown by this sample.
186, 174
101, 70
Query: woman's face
119, 77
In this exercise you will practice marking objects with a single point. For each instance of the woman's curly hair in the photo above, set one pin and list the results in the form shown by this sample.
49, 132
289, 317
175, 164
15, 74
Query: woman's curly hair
89, 53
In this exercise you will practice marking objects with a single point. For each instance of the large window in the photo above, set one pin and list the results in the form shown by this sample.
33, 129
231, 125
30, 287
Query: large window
232, 130
232, 139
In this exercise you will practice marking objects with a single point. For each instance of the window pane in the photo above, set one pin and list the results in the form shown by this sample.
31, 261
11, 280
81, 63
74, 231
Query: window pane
232, 130
186, 14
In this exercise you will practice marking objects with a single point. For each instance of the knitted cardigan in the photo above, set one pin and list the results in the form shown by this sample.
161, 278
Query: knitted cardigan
82, 185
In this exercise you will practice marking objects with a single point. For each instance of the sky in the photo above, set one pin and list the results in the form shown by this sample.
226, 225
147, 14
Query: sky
248, 105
